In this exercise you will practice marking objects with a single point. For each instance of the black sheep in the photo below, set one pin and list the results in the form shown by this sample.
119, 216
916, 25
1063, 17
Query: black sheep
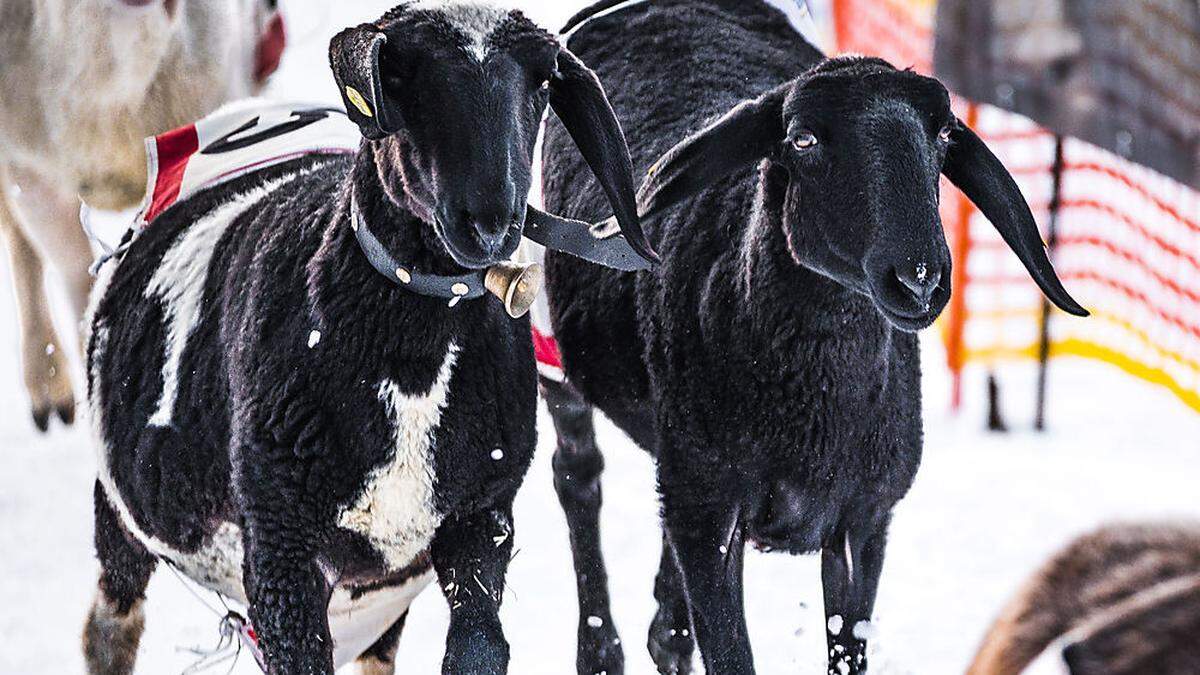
771, 362
291, 428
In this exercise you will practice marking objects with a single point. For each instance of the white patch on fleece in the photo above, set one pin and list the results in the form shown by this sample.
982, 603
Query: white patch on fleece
179, 283
357, 623
217, 565
396, 510
475, 20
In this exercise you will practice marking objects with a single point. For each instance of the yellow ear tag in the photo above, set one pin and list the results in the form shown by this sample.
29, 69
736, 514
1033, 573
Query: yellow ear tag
359, 102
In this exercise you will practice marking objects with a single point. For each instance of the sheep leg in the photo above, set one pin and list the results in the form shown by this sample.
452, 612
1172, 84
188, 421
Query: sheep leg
709, 546
55, 229
671, 642
577, 468
470, 555
115, 622
380, 659
850, 568
43, 361
288, 594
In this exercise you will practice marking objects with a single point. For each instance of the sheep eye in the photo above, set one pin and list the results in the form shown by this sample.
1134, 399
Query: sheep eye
944, 134
804, 141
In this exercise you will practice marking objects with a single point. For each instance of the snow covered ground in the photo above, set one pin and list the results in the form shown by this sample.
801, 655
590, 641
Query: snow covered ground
985, 510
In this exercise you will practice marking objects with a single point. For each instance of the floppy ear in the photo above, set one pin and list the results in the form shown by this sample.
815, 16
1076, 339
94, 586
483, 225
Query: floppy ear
579, 101
354, 56
744, 136
979, 174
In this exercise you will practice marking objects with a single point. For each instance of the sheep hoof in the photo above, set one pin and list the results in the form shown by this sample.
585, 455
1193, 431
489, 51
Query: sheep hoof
671, 648
41, 419
66, 413
49, 386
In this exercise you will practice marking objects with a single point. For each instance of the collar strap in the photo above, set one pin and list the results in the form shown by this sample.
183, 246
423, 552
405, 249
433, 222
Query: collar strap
452, 288
601, 243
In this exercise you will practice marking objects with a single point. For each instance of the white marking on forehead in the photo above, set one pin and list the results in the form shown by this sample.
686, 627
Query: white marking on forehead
475, 20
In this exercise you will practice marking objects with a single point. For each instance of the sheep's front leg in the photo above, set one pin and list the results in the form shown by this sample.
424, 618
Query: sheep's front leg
289, 598
709, 545
470, 555
850, 568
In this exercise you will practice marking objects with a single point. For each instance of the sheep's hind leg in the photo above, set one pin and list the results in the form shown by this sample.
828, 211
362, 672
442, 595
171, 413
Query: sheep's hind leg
671, 642
850, 568
577, 468
115, 622
380, 659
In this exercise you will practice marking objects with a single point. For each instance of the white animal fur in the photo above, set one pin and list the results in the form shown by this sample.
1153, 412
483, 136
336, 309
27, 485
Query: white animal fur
395, 510
83, 82
405, 482
474, 20
178, 282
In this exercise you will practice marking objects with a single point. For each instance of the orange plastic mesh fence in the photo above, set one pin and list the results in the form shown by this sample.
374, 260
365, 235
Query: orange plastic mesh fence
1129, 238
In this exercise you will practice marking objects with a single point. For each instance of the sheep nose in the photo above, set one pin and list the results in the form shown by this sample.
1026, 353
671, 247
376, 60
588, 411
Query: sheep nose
491, 227
920, 281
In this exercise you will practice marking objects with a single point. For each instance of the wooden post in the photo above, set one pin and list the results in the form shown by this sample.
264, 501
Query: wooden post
1039, 422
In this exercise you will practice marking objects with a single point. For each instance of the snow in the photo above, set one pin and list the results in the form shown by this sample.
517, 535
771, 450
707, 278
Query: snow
985, 511
835, 624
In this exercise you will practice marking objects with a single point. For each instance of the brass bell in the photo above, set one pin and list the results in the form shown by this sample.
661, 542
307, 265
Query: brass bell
516, 284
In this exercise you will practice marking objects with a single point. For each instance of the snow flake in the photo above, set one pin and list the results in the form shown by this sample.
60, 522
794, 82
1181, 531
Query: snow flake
497, 454
595, 621
724, 549
835, 624
50, 349
864, 630
314, 338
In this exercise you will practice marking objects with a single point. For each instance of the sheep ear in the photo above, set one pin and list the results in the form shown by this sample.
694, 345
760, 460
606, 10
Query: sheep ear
745, 135
979, 174
580, 102
354, 56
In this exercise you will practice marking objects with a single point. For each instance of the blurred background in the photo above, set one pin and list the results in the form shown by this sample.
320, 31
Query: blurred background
1039, 426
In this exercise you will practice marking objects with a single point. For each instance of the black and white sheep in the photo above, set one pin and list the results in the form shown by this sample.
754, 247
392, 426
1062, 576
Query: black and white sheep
771, 362
289, 427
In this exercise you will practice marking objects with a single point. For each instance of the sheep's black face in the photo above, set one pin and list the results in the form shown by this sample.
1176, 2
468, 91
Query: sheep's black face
853, 150
471, 95
453, 95
863, 150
